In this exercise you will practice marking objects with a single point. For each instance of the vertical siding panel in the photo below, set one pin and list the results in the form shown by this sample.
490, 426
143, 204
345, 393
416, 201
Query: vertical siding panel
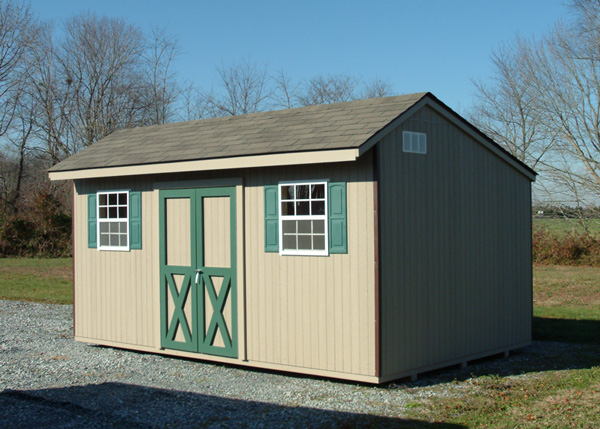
301, 311
448, 240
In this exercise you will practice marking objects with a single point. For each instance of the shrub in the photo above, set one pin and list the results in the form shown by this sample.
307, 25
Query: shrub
42, 231
571, 249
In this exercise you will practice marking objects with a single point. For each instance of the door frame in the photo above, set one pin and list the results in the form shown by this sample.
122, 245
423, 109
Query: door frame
236, 194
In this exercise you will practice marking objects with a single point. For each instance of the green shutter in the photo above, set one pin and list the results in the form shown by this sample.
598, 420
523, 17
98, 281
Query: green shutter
92, 230
135, 220
271, 218
338, 235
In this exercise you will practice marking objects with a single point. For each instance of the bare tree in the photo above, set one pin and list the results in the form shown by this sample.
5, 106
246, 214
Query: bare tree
543, 106
16, 36
285, 91
376, 88
243, 90
564, 74
100, 68
329, 89
507, 109
162, 83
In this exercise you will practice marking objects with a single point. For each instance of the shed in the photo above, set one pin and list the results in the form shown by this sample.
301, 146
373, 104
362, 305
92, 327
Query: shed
368, 240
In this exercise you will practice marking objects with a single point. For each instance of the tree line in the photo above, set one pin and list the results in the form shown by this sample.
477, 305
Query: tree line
65, 86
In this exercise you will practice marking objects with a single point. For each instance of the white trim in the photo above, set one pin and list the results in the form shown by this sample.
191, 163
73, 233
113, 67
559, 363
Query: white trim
323, 217
99, 246
292, 158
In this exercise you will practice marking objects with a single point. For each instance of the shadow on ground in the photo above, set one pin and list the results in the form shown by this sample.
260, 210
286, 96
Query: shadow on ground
567, 330
559, 344
124, 405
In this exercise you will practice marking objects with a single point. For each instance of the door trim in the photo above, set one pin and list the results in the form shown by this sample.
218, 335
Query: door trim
197, 341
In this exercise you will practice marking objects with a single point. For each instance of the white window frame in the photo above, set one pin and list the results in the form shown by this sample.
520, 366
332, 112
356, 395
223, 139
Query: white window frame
324, 217
100, 247
408, 142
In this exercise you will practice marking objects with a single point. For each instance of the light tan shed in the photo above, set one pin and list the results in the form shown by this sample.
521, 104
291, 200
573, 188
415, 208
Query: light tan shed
368, 240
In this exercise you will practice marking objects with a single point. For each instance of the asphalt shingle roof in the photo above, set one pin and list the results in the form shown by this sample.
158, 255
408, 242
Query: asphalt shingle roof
325, 127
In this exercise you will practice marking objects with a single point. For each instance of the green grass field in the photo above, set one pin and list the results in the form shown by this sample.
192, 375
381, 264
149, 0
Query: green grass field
39, 280
560, 388
561, 227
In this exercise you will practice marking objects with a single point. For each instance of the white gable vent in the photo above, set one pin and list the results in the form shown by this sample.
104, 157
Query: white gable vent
414, 142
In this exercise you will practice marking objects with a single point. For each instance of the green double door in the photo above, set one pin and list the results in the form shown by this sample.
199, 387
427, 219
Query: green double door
198, 296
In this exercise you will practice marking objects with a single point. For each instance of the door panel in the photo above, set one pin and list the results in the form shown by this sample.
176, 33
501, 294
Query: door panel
198, 270
178, 253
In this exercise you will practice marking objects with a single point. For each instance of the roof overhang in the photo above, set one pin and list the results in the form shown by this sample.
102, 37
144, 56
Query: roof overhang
270, 160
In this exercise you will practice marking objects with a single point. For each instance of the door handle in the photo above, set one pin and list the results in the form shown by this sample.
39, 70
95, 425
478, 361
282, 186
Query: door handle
198, 272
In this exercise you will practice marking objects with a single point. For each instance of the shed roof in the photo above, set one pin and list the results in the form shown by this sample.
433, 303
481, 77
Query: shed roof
330, 126
340, 129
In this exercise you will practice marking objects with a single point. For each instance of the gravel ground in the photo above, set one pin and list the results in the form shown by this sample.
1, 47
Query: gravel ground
48, 379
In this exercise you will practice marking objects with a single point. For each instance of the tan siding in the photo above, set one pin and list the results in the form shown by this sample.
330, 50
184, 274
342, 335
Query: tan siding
115, 291
300, 312
455, 243
313, 312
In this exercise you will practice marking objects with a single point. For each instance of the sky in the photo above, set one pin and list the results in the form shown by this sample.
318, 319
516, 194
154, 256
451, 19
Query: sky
438, 46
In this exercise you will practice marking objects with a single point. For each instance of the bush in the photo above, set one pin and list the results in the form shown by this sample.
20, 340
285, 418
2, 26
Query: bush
42, 231
572, 249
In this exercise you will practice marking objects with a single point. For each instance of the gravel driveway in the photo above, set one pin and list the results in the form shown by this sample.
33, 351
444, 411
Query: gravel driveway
48, 379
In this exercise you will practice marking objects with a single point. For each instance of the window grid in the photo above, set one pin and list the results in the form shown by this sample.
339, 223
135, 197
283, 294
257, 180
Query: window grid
113, 220
413, 142
303, 220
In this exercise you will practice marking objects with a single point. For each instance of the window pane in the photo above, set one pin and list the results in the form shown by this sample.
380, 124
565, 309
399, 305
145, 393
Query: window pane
304, 226
103, 213
287, 192
114, 227
302, 192
102, 199
302, 208
317, 191
318, 226
123, 240
287, 208
122, 212
103, 227
112, 212
289, 226
304, 242
104, 239
123, 227
123, 198
317, 207
289, 242
318, 242
114, 240
112, 199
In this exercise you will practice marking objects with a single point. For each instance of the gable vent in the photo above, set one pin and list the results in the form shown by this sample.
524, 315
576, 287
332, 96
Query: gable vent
414, 142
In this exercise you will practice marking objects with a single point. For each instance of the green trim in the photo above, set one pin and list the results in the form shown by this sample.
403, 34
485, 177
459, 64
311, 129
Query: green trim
92, 222
337, 212
168, 328
272, 218
135, 220
196, 337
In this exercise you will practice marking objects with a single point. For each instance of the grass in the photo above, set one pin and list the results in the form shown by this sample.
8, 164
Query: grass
39, 280
556, 386
562, 227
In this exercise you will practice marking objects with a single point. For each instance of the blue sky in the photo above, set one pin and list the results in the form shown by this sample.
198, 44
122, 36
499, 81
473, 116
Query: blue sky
428, 45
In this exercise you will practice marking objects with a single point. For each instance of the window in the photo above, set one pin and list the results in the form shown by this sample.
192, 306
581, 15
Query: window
303, 220
113, 220
414, 142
